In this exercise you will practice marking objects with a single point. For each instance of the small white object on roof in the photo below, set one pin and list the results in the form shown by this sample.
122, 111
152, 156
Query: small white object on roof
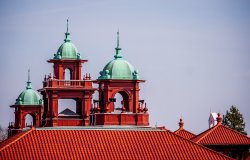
212, 121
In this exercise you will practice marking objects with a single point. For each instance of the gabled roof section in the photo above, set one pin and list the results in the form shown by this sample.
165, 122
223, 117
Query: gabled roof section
13, 139
184, 133
221, 135
105, 144
68, 112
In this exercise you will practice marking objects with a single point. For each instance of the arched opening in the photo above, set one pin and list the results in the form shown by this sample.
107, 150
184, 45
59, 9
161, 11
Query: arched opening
101, 103
69, 107
118, 103
67, 74
121, 100
30, 120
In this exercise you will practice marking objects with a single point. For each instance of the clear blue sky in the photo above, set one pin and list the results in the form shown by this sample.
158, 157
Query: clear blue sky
195, 55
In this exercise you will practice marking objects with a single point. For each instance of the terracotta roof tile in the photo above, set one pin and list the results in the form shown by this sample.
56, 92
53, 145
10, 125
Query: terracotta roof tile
221, 135
104, 144
184, 133
11, 140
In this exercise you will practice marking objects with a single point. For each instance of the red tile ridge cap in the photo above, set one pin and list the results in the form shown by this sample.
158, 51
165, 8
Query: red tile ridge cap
213, 128
201, 146
18, 138
206, 132
182, 129
179, 129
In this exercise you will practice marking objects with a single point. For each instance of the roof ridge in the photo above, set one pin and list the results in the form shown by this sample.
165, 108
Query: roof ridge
201, 137
227, 127
189, 132
18, 138
206, 132
201, 145
178, 130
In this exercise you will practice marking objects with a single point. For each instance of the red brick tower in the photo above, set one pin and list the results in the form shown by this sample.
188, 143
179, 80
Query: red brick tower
30, 103
119, 76
57, 87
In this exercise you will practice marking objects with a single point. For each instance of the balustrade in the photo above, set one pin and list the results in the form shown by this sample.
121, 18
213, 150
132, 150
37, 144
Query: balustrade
64, 83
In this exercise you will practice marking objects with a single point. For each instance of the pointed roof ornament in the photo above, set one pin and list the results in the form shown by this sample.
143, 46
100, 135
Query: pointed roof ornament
67, 34
29, 75
29, 82
219, 119
68, 25
181, 123
118, 50
117, 39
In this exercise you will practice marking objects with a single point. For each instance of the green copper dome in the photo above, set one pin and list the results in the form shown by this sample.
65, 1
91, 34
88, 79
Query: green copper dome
119, 68
67, 50
29, 96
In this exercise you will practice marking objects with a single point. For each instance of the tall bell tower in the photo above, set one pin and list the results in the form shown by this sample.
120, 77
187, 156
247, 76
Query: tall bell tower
76, 87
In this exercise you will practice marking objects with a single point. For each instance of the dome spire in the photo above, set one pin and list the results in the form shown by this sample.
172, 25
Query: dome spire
67, 25
67, 34
117, 39
118, 50
29, 82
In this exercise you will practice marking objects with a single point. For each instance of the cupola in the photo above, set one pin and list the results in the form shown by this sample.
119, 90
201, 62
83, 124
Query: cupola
29, 96
29, 103
67, 50
119, 68
120, 77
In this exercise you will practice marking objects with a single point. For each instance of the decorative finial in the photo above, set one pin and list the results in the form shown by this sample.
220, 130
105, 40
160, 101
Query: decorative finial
29, 75
181, 123
219, 119
67, 25
117, 39
118, 50
67, 34
145, 109
29, 82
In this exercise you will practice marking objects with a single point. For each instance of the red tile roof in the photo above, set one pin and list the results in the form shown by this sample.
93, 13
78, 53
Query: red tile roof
184, 133
104, 144
221, 135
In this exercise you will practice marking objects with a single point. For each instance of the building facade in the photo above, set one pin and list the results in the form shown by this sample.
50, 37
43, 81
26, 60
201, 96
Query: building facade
96, 129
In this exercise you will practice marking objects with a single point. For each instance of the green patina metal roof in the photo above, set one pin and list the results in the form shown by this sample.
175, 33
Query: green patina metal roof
119, 68
67, 50
29, 96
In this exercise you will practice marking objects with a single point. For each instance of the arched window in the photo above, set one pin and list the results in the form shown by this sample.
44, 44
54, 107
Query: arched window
30, 120
122, 100
119, 102
67, 74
